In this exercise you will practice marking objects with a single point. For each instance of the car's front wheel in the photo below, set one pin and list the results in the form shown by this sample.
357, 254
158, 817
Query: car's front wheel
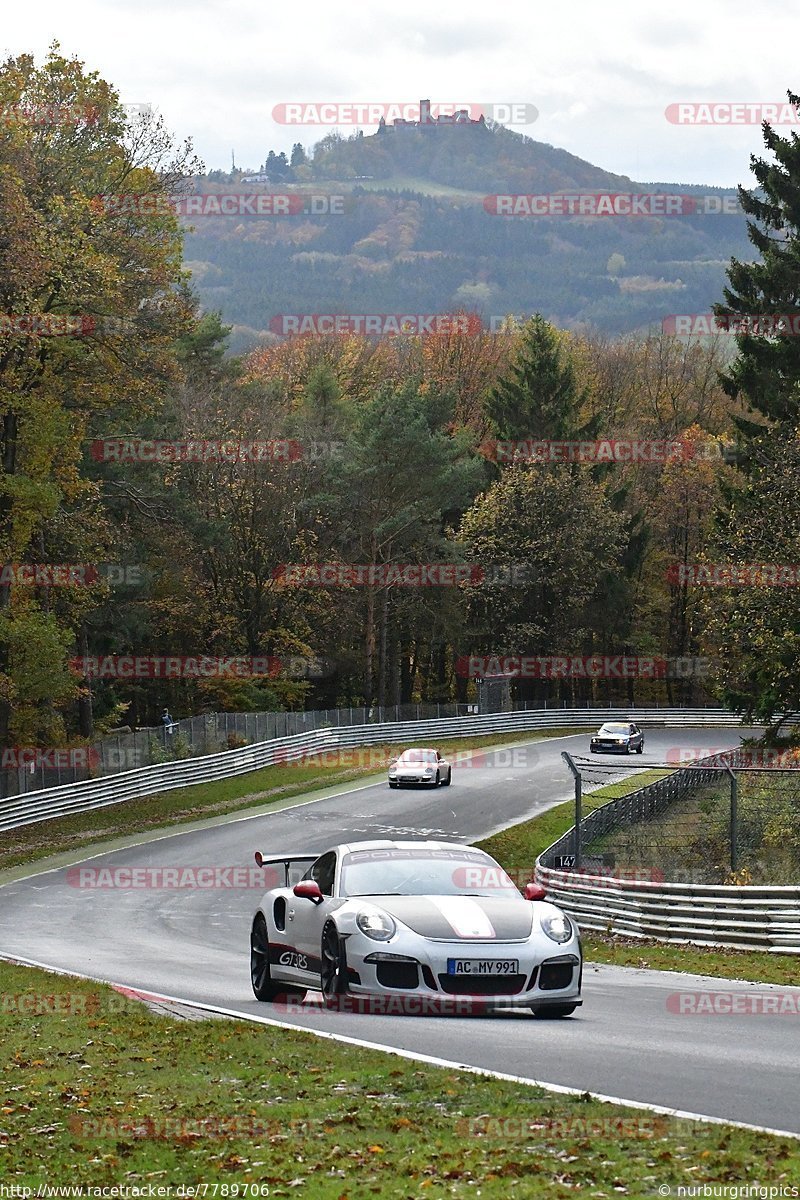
435, 781
446, 782
641, 748
264, 988
333, 971
555, 1010
392, 783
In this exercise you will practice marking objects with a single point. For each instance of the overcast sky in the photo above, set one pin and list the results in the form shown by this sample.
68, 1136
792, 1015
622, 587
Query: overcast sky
600, 74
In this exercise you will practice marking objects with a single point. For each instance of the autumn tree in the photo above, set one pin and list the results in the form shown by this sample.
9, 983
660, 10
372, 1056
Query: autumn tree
557, 532
97, 285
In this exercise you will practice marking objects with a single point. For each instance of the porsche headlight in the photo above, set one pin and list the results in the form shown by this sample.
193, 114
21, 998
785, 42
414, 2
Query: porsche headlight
376, 925
557, 927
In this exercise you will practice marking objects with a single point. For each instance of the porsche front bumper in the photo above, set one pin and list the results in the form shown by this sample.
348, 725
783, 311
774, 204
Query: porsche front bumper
419, 977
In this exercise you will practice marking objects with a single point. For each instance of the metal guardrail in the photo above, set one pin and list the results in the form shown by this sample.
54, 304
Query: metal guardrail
214, 732
746, 917
26, 809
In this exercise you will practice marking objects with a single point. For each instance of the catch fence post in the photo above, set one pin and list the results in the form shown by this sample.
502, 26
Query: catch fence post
576, 839
734, 822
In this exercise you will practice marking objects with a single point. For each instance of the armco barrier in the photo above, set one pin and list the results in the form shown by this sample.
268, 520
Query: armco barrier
26, 809
745, 917
748, 918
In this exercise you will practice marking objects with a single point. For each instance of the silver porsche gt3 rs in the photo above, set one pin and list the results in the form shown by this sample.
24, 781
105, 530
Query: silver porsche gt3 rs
429, 921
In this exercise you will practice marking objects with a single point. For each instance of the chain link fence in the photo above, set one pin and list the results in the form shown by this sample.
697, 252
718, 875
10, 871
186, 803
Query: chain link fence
195, 736
211, 733
722, 820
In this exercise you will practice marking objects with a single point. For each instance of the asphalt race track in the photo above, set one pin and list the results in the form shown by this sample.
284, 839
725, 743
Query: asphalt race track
625, 1041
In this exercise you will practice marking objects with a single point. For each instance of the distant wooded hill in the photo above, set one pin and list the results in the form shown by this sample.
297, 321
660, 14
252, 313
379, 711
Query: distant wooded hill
415, 237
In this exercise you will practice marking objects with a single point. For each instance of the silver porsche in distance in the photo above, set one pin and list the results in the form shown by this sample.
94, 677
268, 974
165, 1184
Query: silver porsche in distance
423, 922
420, 766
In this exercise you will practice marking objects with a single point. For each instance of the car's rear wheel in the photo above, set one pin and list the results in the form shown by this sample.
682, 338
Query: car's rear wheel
264, 988
555, 1010
333, 971
446, 782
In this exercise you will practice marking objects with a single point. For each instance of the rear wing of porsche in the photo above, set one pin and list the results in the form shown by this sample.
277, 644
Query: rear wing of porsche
284, 870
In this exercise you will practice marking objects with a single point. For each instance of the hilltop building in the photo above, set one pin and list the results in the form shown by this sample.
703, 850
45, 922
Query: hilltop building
427, 120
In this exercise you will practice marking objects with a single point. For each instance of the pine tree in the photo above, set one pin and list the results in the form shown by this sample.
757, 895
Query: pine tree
752, 631
539, 396
766, 373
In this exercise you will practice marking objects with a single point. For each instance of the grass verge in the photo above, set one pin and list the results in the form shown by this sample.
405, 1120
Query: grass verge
99, 1091
719, 962
517, 849
271, 785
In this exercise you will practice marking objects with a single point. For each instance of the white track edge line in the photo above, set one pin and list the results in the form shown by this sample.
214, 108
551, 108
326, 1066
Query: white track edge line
430, 1059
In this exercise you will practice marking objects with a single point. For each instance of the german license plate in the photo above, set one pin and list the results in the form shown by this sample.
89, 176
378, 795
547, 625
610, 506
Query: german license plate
483, 966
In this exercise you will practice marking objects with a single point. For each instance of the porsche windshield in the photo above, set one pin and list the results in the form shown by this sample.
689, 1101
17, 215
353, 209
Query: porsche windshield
423, 873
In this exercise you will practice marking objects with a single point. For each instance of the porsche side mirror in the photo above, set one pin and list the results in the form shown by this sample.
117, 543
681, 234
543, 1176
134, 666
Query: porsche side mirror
535, 891
308, 889
392, 761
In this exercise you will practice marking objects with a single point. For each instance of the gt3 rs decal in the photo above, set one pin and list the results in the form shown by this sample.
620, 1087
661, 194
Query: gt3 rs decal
288, 956
292, 958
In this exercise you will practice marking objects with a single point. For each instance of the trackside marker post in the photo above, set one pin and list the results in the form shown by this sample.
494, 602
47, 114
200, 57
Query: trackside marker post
576, 840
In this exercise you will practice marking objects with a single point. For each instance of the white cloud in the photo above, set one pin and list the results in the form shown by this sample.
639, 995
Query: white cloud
600, 75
